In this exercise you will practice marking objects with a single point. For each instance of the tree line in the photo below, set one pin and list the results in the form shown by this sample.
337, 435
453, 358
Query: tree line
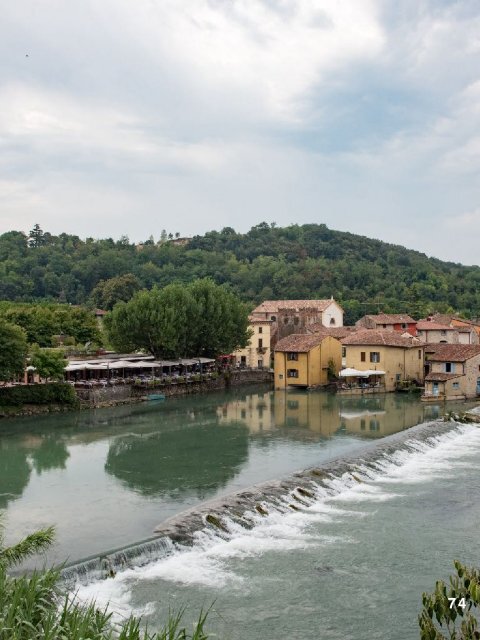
267, 262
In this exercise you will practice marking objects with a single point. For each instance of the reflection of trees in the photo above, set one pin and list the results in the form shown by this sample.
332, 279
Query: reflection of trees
14, 473
51, 454
198, 460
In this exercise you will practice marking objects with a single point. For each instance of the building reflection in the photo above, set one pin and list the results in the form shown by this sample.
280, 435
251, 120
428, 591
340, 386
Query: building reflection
327, 414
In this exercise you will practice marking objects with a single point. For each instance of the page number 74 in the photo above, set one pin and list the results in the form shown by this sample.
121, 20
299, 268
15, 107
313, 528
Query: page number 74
457, 602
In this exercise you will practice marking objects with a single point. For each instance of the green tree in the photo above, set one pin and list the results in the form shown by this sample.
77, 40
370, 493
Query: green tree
121, 288
198, 319
49, 363
13, 351
221, 320
448, 612
36, 237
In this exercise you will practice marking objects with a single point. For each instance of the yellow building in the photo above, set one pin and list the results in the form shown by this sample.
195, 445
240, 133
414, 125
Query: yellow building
257, 354
304, 360
397, 356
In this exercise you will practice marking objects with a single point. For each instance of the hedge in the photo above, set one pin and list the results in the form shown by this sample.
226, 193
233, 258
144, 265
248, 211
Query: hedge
50, 393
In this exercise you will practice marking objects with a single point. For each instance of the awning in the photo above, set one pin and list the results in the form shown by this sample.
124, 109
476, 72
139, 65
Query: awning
353, 373
76, 367
356, 373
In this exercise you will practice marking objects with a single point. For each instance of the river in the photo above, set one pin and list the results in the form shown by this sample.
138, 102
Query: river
351, 561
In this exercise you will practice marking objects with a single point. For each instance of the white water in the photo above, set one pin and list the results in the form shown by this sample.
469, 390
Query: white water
210, 562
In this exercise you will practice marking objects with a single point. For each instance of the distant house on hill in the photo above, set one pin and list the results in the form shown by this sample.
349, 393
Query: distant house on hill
452, 371
396, 356
180, 242
400, 322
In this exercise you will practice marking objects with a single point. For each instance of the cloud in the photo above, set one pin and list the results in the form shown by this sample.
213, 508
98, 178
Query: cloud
127, 117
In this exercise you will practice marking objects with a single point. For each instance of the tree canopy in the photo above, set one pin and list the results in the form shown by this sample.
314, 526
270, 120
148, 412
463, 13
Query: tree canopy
200, 319
13, 350
49, 363
298, 261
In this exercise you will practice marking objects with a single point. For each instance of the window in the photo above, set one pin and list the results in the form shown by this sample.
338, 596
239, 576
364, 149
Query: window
344, 353
285, 321
292, 373
419, 354
260, 343
449, 367
398, 377
243, 359
374, 356
362, 356
296, 320
273, 318
332, 320
243, 413
384, 326
260, 329
444, 333
362, 424
292, 404
456, 385
292, 356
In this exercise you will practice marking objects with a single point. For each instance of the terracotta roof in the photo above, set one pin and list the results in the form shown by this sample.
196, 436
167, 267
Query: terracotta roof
335, 332
391, 318
273, 306
299, 342
452, 352
372, 337
100, 312
441, 377
253, 320
430, 325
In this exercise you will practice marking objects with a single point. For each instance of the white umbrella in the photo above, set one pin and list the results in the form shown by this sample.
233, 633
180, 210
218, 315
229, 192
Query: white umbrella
374, 372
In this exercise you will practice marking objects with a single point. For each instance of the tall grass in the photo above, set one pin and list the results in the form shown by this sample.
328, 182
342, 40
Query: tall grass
35, 608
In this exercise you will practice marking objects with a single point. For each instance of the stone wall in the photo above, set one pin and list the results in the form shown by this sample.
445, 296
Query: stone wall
124, 394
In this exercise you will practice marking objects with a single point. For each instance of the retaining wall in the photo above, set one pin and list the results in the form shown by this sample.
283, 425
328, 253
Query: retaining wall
123, 394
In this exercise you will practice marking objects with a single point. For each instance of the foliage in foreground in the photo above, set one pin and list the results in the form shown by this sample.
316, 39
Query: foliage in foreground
448, 612
34, 607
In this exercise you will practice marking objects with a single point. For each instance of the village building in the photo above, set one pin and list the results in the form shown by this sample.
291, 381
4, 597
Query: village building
281, 318
430, 331
306, 361
468, 331
256, 354
400, 322
452, 372
397, 357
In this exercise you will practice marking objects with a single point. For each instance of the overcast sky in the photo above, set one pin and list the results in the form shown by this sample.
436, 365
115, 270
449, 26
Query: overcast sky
130, 116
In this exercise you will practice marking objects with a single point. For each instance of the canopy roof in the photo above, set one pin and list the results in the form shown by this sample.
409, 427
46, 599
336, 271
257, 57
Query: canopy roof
356, 373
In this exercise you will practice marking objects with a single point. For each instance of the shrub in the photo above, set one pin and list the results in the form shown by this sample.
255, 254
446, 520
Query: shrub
51, 393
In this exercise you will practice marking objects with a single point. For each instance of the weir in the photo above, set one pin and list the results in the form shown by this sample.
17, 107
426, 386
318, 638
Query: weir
221, 518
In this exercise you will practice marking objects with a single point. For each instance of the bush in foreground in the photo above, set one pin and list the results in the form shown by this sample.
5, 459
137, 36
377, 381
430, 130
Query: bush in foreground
35, 608
448, 612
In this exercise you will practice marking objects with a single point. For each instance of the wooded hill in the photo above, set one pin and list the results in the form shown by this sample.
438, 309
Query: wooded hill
268, 262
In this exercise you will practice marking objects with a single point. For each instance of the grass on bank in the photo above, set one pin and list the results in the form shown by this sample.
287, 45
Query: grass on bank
34, 607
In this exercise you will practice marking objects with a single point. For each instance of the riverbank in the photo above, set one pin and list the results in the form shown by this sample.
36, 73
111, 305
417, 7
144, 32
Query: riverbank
115, 395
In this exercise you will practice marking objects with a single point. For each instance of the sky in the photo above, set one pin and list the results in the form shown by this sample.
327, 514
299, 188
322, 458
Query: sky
122, 117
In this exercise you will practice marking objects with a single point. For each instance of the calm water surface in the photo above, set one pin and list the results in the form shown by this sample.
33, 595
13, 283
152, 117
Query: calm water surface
107, 478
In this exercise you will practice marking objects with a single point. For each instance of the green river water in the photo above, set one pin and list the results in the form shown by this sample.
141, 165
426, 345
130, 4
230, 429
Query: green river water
352, 563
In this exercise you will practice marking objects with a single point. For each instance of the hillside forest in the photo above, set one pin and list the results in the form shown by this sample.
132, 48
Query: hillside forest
267, 262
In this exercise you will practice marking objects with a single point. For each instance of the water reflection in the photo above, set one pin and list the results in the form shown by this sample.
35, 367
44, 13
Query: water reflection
198, 461
326, 414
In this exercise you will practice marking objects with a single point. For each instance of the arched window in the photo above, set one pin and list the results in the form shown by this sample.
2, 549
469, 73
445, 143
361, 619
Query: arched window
332, 321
